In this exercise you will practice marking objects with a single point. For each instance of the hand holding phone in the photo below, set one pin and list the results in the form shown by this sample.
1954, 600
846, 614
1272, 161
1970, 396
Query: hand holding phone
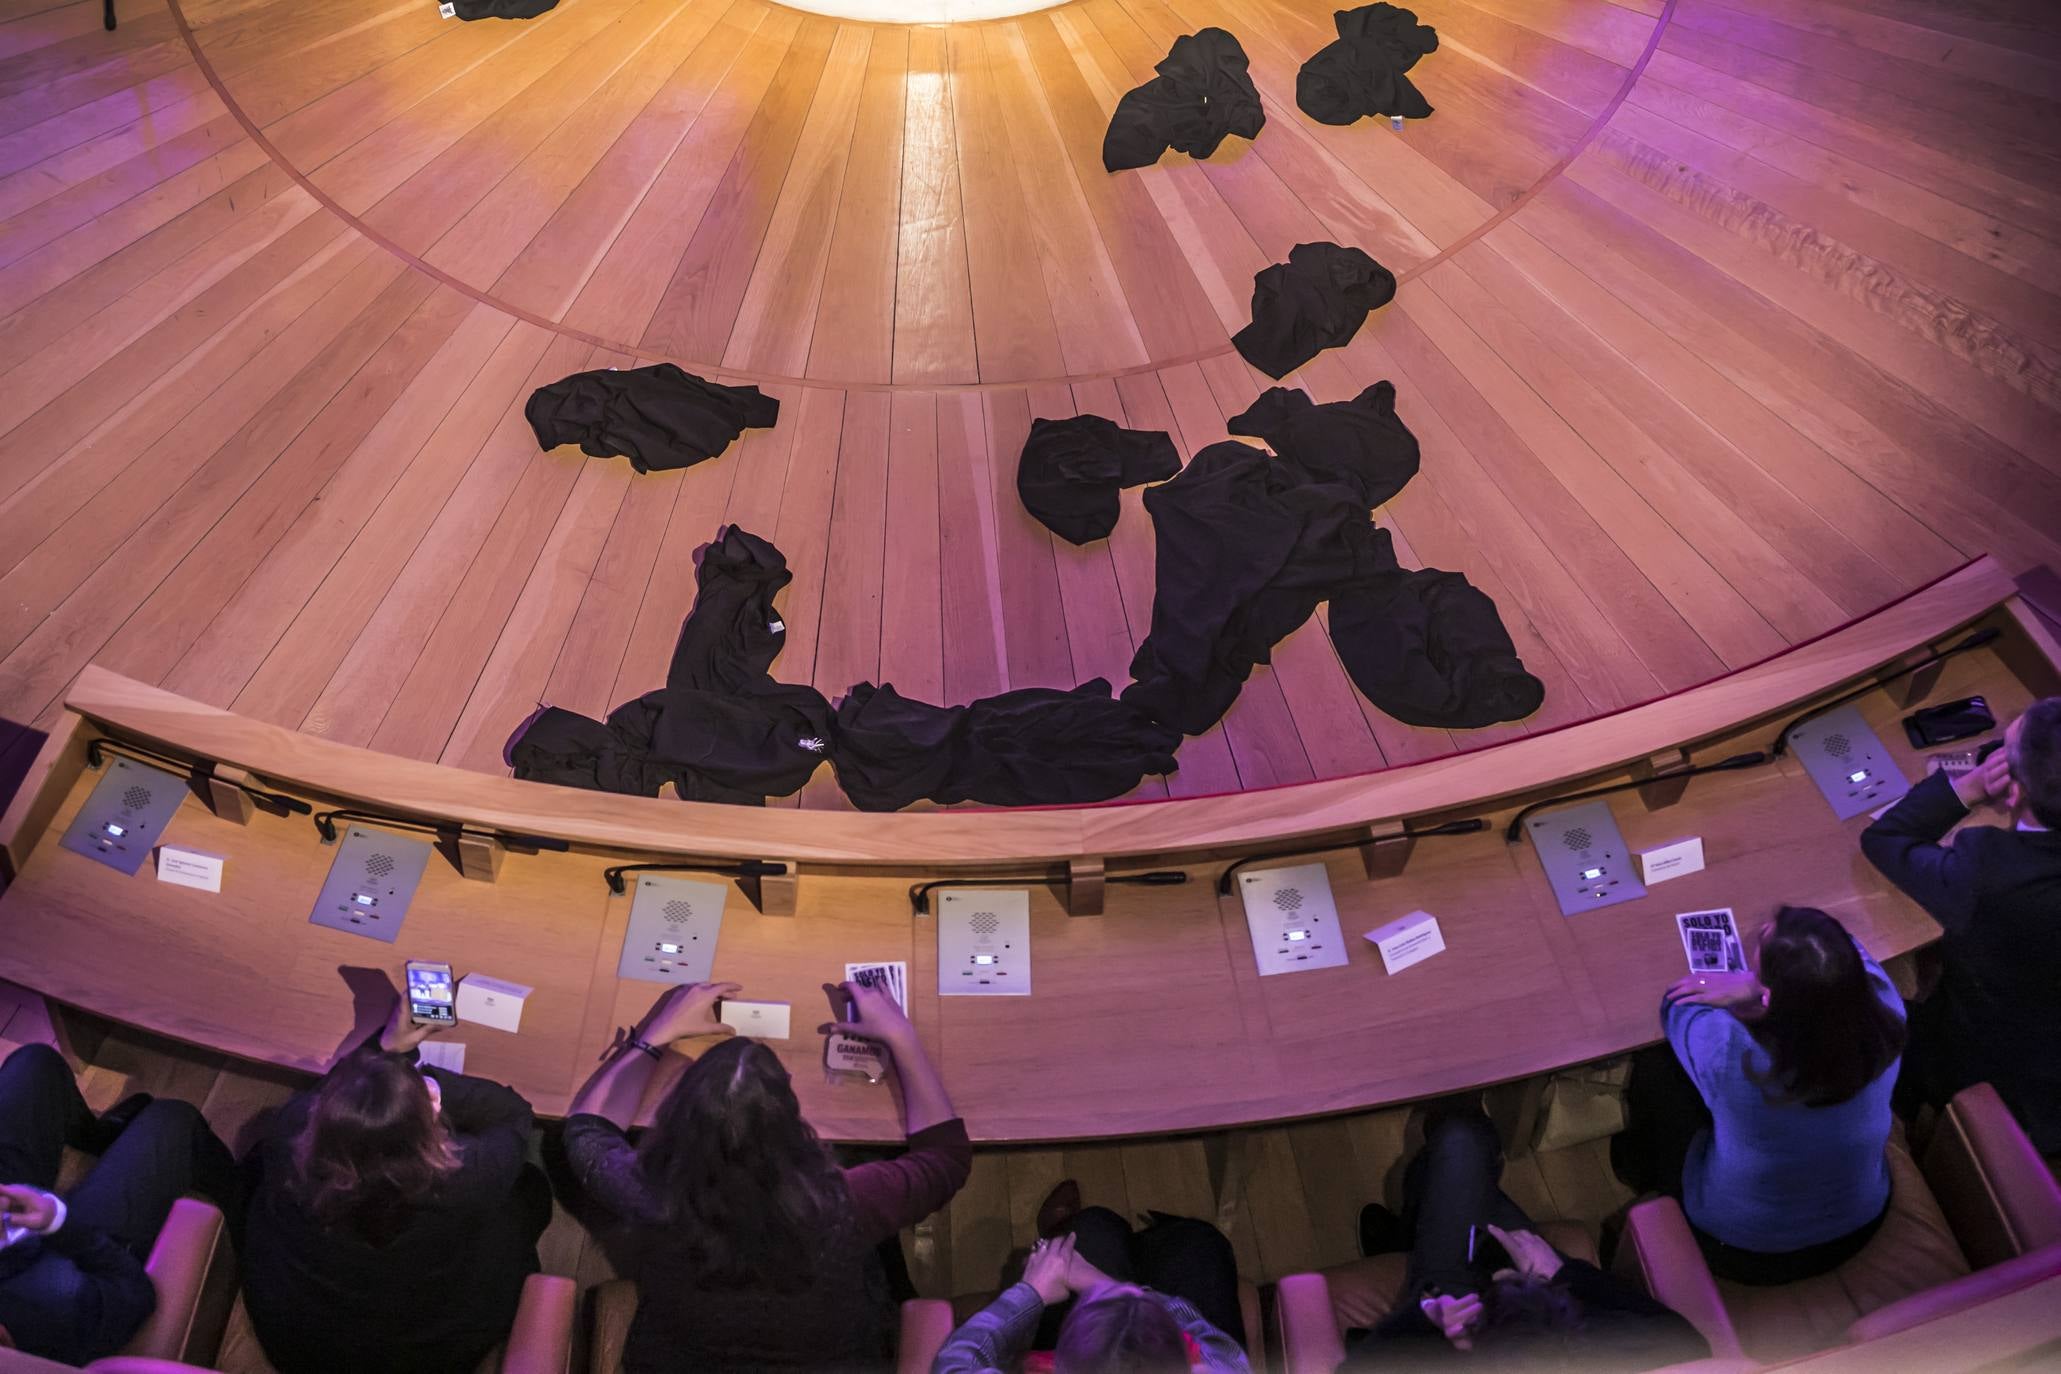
432, 998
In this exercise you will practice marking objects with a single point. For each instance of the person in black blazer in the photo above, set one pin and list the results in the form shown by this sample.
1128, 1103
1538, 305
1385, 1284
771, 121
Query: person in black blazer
1996, 891
394, 1217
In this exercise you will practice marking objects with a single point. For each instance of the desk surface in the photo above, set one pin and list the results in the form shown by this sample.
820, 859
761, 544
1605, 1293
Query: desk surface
1151, 1018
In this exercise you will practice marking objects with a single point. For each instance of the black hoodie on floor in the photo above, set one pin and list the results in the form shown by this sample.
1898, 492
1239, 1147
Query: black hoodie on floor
658, 417
1070, 471
1362, 73
1314, 301
1201, 94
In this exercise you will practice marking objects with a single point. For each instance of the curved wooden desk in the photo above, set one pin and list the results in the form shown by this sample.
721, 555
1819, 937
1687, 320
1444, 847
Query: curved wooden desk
1151, 1018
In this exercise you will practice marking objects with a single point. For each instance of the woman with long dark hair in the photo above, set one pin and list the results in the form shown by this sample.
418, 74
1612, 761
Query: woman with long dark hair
755, 1249
395, 1216
1795, 1060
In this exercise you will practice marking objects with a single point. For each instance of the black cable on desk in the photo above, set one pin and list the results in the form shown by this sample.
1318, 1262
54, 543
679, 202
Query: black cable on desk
743, 868
1752, 760
1780, 746
325, 823
271, 803
1467, 827
919, 895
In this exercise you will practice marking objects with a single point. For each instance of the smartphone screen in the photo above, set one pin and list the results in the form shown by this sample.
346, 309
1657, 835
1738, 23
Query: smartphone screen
430, 999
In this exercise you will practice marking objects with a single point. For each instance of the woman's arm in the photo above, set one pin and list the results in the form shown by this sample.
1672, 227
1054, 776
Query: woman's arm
617, 1088
875, 1015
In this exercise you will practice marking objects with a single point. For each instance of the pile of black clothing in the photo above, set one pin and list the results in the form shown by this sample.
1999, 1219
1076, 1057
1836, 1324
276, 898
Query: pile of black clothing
658, 417
1361, 444
1364, 71
721, 729
1202, 94
1314, 301
1070, 471
501, 9
1037, 746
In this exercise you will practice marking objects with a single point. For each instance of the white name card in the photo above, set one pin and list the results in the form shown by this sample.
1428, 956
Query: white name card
447, 1055
189, 868
1408, 940
1675, 860
759, 1020
492, 1002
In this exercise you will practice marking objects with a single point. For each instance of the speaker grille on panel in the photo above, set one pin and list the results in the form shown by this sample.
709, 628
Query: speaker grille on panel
379, 865
984, 923
1577, 838
1838, 746
679, 913
136, 798
1288, 899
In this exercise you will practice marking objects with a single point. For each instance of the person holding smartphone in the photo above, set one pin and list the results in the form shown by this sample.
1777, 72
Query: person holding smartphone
395, 1215
1482, 1287
755, 1248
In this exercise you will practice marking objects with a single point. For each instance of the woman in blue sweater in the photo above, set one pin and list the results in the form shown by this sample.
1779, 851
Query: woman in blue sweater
1795, 1061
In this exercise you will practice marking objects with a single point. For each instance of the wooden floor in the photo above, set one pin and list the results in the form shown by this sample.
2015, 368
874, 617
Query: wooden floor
1723, 321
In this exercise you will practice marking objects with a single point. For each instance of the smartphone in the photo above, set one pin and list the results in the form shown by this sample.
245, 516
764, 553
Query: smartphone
1946, 723
1485, 1250
431, 1001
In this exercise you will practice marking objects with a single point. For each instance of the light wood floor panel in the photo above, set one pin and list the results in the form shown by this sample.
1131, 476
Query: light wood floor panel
1712, 337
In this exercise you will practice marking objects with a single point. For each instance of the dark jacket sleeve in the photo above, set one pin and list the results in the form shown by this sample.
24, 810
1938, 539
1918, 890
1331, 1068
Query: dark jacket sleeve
493, 1123
80, 1297
893, 1193
1905, 846
605, 1164
1627, 1322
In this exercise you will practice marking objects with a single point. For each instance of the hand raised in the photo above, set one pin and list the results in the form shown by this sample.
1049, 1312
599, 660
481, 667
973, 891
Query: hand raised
1046, 1269
874, 1015
686, 1011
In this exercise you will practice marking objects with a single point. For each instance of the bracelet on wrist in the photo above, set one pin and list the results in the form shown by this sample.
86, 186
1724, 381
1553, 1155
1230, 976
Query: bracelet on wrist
643, 1046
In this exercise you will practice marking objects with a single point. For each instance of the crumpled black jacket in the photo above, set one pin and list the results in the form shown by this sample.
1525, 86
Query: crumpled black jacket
1359, 443
1429, 648
1037, 746
1201, 94
720, 729
658, 417
1314, 301
502, 9
1070, 471
1362, 72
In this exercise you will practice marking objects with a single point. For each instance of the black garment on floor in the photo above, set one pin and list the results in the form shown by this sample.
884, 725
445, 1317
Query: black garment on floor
1429, 648
1036, 746
502, 9
658, 417
1246, 548
1359, 443
1070, 471
720, 729
1202, 93
1362, 72
1314, 301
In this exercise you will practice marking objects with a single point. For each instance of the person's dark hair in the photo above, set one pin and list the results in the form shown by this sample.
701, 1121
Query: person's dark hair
749, 1191
1826, 1030
372, 1148
2036, 761
1125, 1332
1531, 1318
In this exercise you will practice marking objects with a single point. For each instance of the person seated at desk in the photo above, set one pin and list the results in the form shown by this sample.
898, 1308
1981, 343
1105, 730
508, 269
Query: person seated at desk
395, 1216
754, 1248
72, 1282
1113, 1326
1541, 1311
1996, 893
1785, 1174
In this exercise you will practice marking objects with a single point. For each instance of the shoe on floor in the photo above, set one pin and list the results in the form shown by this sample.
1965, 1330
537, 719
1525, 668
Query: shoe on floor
1381, 1231
1060, 1206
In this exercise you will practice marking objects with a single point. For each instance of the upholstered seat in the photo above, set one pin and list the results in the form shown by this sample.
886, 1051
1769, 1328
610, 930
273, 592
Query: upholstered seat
540, 1341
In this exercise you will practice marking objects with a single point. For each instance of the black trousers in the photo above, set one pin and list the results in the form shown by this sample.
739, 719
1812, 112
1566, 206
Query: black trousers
1181, 1256
166, 1152
1454, 1184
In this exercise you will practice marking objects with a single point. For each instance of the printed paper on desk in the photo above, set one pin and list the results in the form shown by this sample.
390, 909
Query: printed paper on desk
189, 868
485, 1001
759, 1020
1675, 860
1408, 940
